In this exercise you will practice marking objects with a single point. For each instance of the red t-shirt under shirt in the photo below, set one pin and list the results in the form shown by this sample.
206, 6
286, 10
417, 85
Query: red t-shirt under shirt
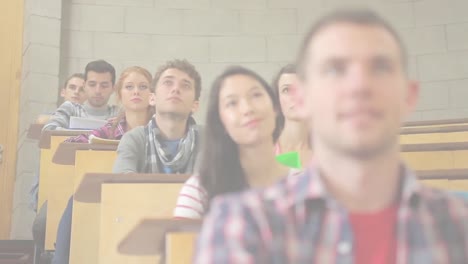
375, 236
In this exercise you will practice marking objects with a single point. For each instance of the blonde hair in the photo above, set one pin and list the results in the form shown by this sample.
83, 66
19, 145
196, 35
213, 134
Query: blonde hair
118, 89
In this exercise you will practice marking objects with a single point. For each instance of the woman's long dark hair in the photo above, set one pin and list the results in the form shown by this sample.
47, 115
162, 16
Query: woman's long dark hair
220, 169
287, 69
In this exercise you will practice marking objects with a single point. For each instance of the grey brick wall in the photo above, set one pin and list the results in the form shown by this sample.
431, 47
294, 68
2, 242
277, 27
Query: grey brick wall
260, 34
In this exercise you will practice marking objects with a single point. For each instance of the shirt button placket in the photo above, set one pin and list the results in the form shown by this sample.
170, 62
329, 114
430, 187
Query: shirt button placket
344, 250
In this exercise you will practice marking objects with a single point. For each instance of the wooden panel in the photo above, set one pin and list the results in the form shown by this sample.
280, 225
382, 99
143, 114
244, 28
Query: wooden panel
439, 184
434, 138
11, 45
459, 185
177, 241
428, 160
56, 183
124, 205
84, 247
46, 164
436, 160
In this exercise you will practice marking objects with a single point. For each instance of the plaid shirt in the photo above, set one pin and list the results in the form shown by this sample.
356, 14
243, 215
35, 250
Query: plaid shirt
297, 221
102, 132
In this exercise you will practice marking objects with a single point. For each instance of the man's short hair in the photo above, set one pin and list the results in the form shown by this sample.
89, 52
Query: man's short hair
364, 17
75, 75
184, 66
100, 66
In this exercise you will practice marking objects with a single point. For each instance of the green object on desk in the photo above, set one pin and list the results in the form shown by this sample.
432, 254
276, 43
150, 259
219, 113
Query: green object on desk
290, 159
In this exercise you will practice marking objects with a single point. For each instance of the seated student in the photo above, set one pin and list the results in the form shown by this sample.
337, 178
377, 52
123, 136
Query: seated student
99, 86
358, 202
71, 91
170, 142
242, 126
295, 134
134, 92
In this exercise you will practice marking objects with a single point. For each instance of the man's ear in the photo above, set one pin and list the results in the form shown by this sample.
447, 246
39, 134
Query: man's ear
412, 96
62, 92
298, 94
195, 106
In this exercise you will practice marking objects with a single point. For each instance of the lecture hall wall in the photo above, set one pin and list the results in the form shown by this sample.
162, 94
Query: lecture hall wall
61, 37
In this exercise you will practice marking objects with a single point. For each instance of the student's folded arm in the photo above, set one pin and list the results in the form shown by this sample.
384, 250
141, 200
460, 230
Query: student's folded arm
131, 152
61, 117
229, 235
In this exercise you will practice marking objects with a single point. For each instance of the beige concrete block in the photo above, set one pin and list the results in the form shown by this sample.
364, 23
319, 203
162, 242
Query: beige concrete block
457, 36
44, 30
444, 114
399, 14
69, 66
182, 4
153, 21
437, 12
46, 8
212, 22
84, 2
43, 59
195, 49
424, 40
238, 49
22, 220
269, 21
307, 17
434, 96
295, 4
459, 94
283, 48
446, 66
122, 46
77, 44
239, 4
41, 87
137, 3
267, 70
95, 18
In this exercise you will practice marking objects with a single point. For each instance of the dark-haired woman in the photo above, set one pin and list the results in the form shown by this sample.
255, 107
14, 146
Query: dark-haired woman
240, 134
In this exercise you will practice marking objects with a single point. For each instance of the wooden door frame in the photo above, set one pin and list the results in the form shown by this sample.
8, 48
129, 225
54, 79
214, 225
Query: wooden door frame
11, 29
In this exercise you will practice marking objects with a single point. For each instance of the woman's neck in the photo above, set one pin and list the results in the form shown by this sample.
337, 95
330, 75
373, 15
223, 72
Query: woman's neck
260, 166
135, 119
294, 136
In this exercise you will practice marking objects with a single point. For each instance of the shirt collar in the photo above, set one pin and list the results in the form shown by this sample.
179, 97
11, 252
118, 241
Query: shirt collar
310, 186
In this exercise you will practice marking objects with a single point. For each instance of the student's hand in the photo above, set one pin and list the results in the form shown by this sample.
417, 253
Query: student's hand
112, 119
42, 119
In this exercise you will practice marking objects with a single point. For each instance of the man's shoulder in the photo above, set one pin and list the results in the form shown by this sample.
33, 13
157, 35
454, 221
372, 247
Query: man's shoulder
69, 107
134, 136
444, 203
275, 198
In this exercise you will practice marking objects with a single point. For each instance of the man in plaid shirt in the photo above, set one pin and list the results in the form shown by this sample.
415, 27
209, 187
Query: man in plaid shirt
357, 202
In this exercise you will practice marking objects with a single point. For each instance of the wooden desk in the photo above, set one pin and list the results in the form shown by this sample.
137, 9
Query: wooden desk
35, 131
88, 210
49, 142
85, 216
62, 178
155, 236
434, 138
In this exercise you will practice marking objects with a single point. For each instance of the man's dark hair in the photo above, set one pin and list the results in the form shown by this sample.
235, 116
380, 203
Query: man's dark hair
364, 17
100, 66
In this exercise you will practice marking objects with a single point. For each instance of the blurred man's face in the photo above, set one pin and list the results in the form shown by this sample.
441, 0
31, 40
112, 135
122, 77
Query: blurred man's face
356, 90
98, 88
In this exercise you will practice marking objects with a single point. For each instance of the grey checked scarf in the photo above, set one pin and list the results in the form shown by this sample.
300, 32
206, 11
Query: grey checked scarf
183, 161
